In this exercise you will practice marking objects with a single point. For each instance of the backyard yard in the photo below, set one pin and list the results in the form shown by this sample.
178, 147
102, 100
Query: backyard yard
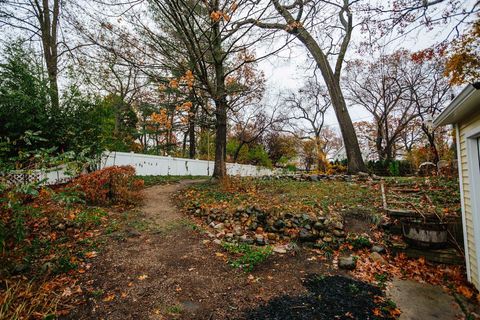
236, 159
246, 248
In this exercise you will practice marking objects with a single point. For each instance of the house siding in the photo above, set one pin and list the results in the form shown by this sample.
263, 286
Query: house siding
465, 126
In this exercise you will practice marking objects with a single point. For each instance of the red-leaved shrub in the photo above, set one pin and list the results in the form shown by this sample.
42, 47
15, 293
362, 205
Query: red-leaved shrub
111, 185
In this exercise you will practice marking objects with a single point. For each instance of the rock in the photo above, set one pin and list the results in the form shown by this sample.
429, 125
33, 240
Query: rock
229, 235
375, 177
198, 212
211, 235
347, 263
60, 227
280, 249
338, 233
217, 241
206, 241
305, 217
212, 224
378, 249
318, 225
133, 233
321, 219
219, 235
279, 224
362, 174
219, 226
327, 239
261, 217
272, 236
246, 239
69, 223
238, 231
338, 225
305, 235
240, 209
376, 257
260, 240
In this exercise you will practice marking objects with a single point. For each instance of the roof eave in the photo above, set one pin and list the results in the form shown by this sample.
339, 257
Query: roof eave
447, 116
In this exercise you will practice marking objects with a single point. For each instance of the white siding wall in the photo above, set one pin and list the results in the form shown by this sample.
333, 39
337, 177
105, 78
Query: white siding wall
466, 126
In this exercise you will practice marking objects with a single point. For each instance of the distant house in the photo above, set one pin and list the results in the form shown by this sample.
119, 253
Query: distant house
464, 113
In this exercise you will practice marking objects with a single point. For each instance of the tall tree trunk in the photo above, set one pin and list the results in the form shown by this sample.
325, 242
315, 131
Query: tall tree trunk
48, 21
431, 141
321, 159
192, 151
220, 169
352, 148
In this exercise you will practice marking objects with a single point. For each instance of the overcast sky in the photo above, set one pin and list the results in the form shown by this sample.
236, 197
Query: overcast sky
289, 70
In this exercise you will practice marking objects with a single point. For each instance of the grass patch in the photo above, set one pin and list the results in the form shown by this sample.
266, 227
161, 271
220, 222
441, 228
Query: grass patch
284, 196
248, 256
176, 309
158, 180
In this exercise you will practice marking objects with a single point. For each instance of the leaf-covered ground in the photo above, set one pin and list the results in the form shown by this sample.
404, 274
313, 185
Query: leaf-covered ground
322, 197
153, 261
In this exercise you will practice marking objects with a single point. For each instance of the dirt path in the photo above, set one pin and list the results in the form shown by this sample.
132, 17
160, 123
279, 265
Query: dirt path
158, 205
161, 267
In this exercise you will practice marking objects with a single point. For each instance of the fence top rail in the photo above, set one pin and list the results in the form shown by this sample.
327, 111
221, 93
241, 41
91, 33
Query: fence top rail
169, 158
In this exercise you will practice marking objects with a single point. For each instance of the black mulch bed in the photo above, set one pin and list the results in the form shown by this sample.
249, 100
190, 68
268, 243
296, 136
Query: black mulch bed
330, 297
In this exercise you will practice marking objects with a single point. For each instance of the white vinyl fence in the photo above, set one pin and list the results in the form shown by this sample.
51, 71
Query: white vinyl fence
144, 164
150, 165
47, 177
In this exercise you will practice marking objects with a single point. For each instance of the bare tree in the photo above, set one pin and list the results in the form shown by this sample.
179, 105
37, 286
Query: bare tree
383, 88
327, 38
429, 91
250, 124
309, 106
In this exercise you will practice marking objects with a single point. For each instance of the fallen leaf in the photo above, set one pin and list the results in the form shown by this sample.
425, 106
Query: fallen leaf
109, 297
142, 277
377, 312
91, 254
67, 292
465, 291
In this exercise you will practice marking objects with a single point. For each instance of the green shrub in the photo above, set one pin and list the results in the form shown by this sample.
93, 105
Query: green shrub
360, 242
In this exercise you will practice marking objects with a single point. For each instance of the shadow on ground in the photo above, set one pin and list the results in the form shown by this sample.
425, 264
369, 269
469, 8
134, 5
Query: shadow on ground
330, 297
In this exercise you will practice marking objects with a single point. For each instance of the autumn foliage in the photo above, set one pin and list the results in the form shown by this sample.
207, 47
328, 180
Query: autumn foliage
112, 185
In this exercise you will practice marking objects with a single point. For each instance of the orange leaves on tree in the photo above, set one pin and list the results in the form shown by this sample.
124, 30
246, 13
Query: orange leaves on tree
188, 79
463, 63
173, 84
160, 118
219, 15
